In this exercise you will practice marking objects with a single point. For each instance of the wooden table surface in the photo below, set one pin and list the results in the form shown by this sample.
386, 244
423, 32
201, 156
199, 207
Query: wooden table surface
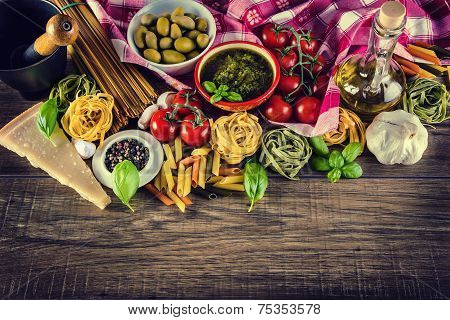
384, 236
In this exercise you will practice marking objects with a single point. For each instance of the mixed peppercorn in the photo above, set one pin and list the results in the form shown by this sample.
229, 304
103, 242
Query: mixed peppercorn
128, 149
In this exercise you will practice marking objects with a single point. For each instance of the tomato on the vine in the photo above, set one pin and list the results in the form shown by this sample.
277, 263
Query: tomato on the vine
163, 127
309, 45
318, 65
320, 86
286, 59
186, 97
288, 84
195, 134
307, 109
278, 110
273, 36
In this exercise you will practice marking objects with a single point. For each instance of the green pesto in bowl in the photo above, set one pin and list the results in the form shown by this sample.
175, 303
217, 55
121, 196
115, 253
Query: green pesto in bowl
243, 71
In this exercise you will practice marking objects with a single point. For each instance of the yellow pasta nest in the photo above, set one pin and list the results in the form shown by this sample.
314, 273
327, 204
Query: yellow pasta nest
350, 127
89, 117
236, 136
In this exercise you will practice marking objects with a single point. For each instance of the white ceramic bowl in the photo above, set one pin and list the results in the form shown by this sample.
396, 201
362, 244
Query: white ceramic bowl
159, 6
151, 169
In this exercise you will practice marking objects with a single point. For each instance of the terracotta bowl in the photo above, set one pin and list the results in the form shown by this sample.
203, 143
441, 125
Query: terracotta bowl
245, 105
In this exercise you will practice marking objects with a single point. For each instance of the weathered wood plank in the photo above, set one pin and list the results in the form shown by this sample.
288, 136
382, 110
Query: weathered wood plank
372, 238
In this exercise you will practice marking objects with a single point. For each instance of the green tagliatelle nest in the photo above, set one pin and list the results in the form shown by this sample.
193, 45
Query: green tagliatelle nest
285, 152
427, 99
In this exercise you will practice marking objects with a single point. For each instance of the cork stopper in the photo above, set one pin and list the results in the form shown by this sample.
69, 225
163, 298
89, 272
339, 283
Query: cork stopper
392, 14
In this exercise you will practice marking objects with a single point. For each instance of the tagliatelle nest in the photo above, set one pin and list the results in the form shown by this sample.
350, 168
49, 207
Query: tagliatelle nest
350, 128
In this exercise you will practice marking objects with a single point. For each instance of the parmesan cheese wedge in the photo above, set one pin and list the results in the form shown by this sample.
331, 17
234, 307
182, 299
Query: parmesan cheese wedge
61, 161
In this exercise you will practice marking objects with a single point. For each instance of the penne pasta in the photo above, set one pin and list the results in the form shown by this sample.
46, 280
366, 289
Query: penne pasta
229, 171
214, 179
231, 186
168, 175
163, 180
178, 149
189, 160
187, 181
157, 182
169, 156
167, 201
186, 200
178, 202
216, 164
195, 169
202, 173
180, 180
201, 151
232, 179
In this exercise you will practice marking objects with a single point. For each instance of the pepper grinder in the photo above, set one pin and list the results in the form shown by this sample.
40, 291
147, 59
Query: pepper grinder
61, 30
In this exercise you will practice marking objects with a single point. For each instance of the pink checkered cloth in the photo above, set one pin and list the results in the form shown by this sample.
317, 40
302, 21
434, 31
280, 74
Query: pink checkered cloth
342, 25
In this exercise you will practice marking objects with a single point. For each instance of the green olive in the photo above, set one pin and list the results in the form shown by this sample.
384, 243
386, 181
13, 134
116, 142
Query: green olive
151, 40
201, 24
165, 43
139, 36
191, 15
178, 11
163, 26
184, 22
175, 31
148, 19
152, 55
153, 29
192, 54
192, 34
202, 40
184, 45
172, 56
165, 14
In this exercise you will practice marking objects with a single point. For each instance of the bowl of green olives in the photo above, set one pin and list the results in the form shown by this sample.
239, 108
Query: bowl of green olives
171, 34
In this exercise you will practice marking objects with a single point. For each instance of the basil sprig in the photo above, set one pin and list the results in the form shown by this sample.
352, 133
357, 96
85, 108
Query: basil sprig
255, 182
125, 181
337, 164
47, 118
221, 92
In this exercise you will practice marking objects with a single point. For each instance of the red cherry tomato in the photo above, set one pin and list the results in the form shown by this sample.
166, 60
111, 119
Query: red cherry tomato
318, 65
286, 60
278, 110
274, 37
309, 47
288, 83
187, 97
162, 128
192, 135
320, 86
307, 109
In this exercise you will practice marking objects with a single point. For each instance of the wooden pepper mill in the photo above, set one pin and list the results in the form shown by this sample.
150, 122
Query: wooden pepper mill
61, 30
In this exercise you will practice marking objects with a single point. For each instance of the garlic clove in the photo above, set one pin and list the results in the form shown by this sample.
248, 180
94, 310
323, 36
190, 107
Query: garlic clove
144, 120
84, 148
165, 99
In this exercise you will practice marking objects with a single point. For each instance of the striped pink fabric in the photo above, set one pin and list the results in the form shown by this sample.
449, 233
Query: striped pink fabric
343, 27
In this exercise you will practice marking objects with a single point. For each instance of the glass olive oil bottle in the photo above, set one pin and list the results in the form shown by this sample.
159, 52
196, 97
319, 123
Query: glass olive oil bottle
374, 82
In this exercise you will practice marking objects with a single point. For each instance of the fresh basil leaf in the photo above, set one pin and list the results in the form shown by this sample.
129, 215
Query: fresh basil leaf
223, 87
234, 97
255, 182
225, 94
336, 159
352, 171
125, 181
209, 86
320, 164
47, 117
319, 146
351, 152
334, 175
215, 98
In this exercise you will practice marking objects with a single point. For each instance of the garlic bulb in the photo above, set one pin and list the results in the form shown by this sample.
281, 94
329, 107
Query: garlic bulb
165, 99
144, 120
84, 148
397, 137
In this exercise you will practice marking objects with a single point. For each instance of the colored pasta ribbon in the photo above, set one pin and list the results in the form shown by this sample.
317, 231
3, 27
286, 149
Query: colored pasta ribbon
350, 127
70, 88
285, 152
236, 136
88, 118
